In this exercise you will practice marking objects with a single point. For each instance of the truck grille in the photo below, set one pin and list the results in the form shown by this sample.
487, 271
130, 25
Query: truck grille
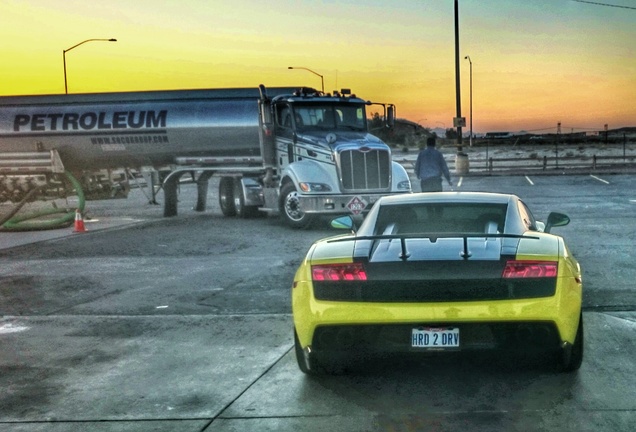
365, 170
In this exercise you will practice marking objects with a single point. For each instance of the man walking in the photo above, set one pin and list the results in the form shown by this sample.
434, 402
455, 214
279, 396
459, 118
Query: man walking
430, 166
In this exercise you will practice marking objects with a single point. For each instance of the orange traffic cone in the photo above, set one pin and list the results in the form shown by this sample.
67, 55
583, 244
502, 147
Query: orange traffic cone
79, 222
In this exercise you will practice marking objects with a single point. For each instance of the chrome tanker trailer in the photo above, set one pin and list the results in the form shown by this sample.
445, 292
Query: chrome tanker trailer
298, 152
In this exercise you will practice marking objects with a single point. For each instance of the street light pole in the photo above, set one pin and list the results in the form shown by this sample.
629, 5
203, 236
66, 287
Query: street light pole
75, 46
471, 100
322, 80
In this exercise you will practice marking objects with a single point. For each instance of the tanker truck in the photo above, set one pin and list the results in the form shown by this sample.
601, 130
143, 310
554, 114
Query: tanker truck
293, 151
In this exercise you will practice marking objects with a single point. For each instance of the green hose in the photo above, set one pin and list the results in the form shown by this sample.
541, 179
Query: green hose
19, 223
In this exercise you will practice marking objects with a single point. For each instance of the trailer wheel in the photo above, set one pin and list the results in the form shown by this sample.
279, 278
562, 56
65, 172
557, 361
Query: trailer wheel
289, 206
240, 208
226, 196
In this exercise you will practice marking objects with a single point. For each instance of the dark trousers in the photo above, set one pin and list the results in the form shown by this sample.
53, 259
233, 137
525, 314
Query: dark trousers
433, 184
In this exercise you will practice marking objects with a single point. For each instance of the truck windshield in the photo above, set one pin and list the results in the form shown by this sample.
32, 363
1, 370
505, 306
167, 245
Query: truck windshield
330, 117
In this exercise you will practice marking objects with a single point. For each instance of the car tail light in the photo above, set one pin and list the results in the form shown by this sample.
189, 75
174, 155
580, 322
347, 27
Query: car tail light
530, 269
338, 272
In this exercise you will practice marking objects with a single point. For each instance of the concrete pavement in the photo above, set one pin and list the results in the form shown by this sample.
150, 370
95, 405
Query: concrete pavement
123, 358
242, 376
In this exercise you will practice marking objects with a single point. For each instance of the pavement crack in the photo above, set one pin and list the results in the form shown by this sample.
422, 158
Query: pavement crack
231, 402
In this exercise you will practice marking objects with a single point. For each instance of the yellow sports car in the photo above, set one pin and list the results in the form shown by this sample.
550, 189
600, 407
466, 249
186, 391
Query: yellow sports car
449, 271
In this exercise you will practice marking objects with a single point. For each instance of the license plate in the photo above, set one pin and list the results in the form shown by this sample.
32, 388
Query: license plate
435, 337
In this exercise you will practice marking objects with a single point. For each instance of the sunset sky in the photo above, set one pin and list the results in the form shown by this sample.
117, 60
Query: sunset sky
535, 62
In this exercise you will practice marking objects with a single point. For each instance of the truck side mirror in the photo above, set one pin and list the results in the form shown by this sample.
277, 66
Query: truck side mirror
390, 116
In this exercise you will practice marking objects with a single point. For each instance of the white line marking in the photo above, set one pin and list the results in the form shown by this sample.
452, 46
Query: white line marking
529, 181
459, 183
11, 328
599, 179
634, 201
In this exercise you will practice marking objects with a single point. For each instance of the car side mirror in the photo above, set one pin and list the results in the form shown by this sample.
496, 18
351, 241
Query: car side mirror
555, 220
344, 222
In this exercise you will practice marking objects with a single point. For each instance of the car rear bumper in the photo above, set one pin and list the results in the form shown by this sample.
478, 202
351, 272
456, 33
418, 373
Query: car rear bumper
486, 324
396, 338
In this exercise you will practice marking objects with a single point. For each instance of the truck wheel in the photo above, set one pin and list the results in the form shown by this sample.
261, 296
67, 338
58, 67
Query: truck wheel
226, 196
241, 209
289, 206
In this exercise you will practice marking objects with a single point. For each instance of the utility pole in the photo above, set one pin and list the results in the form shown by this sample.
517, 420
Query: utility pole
461, 158
458, 96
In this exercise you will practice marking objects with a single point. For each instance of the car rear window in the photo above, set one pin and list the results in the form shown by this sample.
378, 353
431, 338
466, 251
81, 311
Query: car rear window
441, 218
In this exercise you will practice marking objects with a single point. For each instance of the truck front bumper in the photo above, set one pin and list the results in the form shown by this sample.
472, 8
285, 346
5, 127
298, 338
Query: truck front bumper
339, 204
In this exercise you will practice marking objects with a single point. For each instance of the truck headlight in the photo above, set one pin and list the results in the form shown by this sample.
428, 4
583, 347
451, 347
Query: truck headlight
314, 187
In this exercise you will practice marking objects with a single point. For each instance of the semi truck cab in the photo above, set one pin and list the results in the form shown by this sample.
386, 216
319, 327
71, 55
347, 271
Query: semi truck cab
325, 160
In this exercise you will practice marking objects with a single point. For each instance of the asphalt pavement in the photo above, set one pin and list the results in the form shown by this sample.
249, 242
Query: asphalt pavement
11, 239
145, 323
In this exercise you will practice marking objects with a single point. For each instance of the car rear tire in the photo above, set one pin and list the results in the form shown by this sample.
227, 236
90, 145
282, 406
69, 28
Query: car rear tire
313, 365
571, 357
304, 364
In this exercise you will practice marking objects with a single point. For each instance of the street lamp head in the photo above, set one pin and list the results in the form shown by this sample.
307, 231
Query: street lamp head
75, 46
322, 79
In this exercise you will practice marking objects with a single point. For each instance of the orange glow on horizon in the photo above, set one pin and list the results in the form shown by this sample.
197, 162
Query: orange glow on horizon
534, 65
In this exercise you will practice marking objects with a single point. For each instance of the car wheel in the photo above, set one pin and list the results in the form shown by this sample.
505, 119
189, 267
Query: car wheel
226, 196
289, 206
304, 363
571, 357
310, 364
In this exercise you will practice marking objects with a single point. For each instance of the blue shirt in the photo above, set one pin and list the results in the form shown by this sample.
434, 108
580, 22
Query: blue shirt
431, 164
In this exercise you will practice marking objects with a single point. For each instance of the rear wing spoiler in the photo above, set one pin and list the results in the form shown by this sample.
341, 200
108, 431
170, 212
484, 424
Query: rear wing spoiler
433, 238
